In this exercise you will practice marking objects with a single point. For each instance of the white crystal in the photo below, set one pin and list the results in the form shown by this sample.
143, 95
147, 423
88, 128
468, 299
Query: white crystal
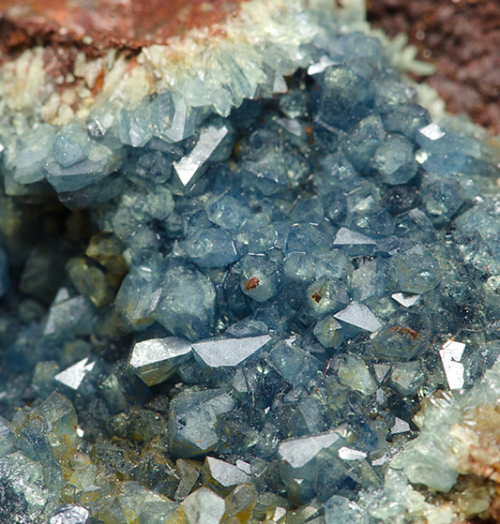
70, 515
298, 452
351, 454
225, 474
400, 426
74, 375
188, 166
346, 237
228, 352
432, 132
451, 355
360, 316
154, 360
405, 299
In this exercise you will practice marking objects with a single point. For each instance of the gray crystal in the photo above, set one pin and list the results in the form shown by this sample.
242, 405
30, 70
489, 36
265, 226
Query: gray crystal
228, 352
359, 316
157, 359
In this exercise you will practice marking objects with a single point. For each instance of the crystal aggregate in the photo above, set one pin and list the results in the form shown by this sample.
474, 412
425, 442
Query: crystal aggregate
241, 317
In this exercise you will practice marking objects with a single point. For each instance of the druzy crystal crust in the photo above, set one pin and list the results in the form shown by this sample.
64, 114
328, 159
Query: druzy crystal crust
229, 286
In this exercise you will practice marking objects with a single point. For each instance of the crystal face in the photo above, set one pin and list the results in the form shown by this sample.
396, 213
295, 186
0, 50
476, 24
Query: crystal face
228, 289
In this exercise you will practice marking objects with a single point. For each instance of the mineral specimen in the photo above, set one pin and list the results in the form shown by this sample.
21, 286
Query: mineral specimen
236, 264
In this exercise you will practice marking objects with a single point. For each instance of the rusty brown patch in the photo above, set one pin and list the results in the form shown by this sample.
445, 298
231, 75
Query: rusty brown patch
251, 284
316, 297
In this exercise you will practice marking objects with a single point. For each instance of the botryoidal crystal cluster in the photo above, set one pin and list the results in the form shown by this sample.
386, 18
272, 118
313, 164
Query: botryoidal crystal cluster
275, 296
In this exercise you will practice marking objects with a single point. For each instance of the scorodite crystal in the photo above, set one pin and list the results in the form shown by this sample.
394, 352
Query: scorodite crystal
260, 281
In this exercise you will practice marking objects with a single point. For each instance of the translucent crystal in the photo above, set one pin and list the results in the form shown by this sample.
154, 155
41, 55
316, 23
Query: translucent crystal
228, 212
69, 314
346, 96
30, 159
329, 332
407, 378
204, 507
397, 342
100, 162
135, 127
259, 278
354, 373
340, 509
395, 161
186, 306
6, 437
416, 270
363, 140
193, 421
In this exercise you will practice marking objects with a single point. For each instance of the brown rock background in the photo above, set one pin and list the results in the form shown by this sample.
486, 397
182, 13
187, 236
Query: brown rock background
462, 39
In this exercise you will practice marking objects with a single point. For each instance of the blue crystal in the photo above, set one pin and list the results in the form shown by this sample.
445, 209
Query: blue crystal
295, 365
344, 97
213, 247
227, 212
416, 270
30, 160
134, 125
363, 140
4, 273
395, 160
186, 305
71, 146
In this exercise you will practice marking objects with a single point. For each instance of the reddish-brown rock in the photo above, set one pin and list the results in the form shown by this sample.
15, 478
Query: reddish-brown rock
127, 24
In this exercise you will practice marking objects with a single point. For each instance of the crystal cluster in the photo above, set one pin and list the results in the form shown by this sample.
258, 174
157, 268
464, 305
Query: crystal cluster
243, 324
